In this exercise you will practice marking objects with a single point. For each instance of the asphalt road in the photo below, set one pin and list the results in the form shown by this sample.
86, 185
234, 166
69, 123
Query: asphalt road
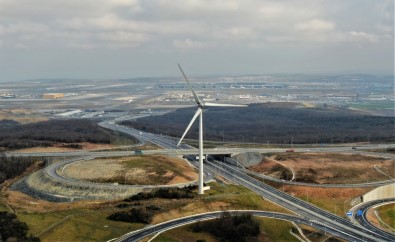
282, 181
159, 228
296, 205
310, 213
362, 219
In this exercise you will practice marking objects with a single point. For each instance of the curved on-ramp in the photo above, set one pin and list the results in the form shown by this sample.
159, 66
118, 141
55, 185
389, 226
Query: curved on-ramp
161, 227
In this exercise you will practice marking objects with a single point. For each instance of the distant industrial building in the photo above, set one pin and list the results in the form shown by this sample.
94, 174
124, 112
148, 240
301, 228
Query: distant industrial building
225, 85
69, 113
53, 95
7, 96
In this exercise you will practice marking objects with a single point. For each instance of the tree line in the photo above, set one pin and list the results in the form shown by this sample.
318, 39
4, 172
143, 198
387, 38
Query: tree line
145, 214
11, 167
167, 193
237, 228
11, 229
14, 135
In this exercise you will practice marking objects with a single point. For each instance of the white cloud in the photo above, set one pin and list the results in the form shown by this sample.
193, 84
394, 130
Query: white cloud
190, 44
210, 21
315, 25
24, 28
224, 27
123, 39
124, 2
364, 36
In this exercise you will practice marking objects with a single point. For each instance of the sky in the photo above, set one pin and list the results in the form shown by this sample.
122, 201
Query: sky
100, 39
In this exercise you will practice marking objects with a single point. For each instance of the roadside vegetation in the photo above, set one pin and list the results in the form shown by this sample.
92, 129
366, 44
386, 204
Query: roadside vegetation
387, 214
144, 214
11, 229
238, 228
168, 193
11, 167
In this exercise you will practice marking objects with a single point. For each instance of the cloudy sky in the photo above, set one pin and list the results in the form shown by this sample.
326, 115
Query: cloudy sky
132, 38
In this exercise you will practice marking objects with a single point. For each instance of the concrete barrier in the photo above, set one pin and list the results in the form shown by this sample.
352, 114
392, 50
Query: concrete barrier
387, 191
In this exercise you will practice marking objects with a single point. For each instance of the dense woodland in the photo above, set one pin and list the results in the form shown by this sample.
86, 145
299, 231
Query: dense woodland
14, 135
135, 215
237, 228
12, 229
168, 193
140, 214
11, 167
275, 123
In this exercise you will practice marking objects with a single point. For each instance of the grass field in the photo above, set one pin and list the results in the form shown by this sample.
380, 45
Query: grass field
3, 207
157, 169
90, 224
387, 214
239, 197
335, 200
75, 225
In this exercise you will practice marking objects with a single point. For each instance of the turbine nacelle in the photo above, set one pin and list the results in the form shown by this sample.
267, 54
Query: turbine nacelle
201, 105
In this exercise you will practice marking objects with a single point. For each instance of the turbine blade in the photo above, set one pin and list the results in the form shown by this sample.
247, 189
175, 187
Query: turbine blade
190, 124
224, 105
190, 86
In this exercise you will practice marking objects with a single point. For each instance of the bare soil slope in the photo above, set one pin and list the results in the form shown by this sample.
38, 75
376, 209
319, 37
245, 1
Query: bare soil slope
138, 170
330, 168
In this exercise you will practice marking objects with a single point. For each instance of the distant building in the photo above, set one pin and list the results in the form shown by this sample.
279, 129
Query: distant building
53, 95
7, 95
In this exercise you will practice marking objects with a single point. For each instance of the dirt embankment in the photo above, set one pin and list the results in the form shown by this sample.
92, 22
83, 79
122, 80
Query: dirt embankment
139, 170
327, 168
272, 168
249, 158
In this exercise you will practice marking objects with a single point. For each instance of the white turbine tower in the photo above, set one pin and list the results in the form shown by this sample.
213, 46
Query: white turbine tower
199, 113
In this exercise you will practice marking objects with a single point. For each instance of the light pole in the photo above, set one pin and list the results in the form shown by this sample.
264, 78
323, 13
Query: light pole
334, 201
307, 194
344, 206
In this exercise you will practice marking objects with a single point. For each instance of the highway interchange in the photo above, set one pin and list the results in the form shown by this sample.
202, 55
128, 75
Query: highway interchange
308, 214
346, 229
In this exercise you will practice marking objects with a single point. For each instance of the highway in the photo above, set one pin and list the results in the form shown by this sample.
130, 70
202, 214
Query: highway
346, 229
282, 181
362, 219
296, 205
310, 213
56, 172
159, 228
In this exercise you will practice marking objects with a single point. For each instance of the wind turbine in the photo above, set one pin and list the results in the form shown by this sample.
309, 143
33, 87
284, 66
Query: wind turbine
201, 105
